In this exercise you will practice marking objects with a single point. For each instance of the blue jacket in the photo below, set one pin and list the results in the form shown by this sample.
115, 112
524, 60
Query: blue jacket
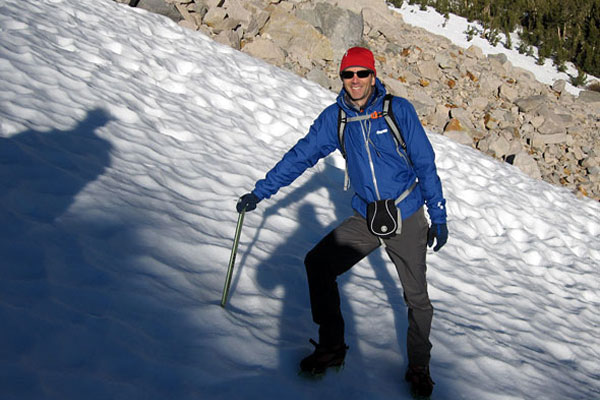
378, 169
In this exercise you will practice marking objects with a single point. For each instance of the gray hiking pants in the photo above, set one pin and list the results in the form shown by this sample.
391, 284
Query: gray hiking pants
345, 246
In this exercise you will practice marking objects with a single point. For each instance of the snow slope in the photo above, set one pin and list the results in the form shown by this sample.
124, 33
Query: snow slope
124, 144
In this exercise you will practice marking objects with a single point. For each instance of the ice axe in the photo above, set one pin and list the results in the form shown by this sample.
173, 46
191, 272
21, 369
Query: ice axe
236, 242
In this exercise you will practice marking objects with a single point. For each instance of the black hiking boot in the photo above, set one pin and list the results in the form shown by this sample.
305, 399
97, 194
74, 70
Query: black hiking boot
421, 384
323, 358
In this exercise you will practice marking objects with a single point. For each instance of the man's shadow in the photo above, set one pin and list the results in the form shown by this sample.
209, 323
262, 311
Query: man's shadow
77, 294
296, 324
40, 175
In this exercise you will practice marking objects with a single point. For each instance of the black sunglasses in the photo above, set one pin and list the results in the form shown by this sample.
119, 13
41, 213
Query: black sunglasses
363, 73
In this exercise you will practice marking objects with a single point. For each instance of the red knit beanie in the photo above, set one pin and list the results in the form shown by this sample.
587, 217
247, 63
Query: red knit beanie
358, 57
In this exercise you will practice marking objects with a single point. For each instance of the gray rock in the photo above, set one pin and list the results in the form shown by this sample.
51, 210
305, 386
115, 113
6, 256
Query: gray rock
228, 38
461, 137
460, 113
539, 141
266, 50
499, 146
257, 21
532, 103
429, 70
162, 8
475, 52
500, 58
508, 92
478, 103
559, 85
424, 104
394, 86
527, 164
344, 28
296, 35
551, 126
445, 61
215, 18
423, 109
489, 85
378, 20
318, 76
589, 96
235, 10
439, 117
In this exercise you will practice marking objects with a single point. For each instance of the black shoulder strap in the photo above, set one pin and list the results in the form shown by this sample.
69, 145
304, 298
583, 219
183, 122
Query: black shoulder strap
388, 114
341, 126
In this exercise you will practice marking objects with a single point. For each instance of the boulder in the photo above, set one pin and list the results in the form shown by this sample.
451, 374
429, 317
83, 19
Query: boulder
474, 51
257, 21
229, 38
478, 103
235, 10
489, 85
589, 96
344, 28
318, 76
508, 92
540, 141
531, 103
445, 61
378, 20
394, 86
500, 58
429, 69
499, 145
559, 85
455, 130
527, 164
358, 6
424, 104
439, 117
216, 18
160, 7
296, 35
266, 50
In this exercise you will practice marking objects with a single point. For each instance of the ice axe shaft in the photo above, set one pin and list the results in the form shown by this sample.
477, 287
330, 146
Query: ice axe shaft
236, 242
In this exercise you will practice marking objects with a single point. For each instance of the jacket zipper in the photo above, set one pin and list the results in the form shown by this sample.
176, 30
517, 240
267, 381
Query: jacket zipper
366, 140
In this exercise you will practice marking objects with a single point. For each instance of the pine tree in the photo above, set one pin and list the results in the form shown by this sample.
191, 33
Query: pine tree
564, 30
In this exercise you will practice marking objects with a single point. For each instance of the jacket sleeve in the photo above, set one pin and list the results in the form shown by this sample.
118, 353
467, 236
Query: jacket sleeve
422, 156
318, 143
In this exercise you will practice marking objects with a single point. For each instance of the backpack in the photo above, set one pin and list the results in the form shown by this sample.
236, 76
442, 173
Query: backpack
387, 114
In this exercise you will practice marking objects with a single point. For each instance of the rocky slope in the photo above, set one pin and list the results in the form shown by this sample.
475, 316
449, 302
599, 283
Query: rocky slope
480, 101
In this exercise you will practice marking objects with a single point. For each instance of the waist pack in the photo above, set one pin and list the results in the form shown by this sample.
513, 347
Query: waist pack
384, 218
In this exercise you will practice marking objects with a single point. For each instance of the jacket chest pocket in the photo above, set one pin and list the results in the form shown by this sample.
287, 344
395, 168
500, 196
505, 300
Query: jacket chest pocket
382, 139
387, 149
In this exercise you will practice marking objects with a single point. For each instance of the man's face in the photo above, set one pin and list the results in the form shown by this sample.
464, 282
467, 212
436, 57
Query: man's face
359, 89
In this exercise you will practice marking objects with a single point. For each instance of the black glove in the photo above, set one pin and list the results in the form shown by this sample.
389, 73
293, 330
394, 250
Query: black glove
439, 232
248, 202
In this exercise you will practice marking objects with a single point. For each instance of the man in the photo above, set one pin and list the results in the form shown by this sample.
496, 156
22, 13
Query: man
378, 169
